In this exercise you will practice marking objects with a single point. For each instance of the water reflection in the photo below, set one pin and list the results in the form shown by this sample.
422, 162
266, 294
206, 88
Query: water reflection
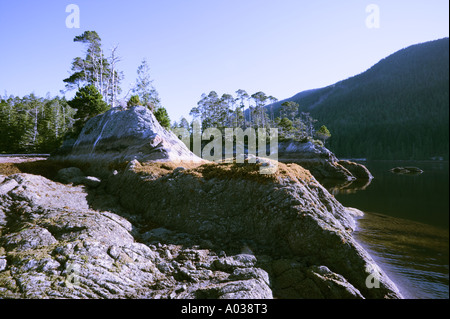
406, 223
414, 255
422, 198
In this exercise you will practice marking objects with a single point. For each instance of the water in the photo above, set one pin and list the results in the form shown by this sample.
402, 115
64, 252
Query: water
406, 225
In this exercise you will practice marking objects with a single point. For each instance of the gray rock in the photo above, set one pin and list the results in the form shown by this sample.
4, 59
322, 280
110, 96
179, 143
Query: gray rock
357, 170
124, 135
29, 238
240, 261
290, 217
409, 170
69, 175
56, 246
3, 263
332, 285
321, 162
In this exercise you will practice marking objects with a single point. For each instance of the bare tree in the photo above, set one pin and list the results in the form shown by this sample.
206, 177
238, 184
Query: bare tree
114, 75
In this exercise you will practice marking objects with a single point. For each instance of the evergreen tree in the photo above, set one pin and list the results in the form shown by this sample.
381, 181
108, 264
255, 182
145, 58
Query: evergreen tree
289, 109
133, 101
33, 124
96, 69
163, 117
259, 115
88, 102
285, 125
323, 133
184, 123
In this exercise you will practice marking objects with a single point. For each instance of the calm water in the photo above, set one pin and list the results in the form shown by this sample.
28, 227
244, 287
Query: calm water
406, 225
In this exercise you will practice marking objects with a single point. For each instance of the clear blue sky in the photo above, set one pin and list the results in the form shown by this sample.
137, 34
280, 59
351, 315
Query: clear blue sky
280, 47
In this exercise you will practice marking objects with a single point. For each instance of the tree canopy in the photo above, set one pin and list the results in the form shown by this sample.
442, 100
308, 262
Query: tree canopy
88, 102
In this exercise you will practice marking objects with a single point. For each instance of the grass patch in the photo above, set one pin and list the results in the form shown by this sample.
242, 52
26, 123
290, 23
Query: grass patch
159, 169
46, 168
251, 171
9, 169
247, 171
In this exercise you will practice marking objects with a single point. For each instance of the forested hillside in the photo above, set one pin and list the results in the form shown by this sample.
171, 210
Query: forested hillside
398, 109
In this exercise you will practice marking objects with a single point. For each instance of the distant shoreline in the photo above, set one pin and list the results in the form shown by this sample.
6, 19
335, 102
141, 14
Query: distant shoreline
24, 155
20, 158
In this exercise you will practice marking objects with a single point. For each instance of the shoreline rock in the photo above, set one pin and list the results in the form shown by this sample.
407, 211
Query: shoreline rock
54, 245
408, 170
321, 162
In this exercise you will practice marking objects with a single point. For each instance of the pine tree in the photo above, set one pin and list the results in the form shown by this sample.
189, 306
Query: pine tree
96, 69
88, 102
323, 133
133, 101
163, 117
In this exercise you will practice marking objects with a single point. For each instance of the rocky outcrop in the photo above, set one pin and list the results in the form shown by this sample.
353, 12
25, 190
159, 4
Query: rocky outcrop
120, 136
357, 170
287, 215
54, 245
174, 226
408, 170
65, 241
60, 241
321, 162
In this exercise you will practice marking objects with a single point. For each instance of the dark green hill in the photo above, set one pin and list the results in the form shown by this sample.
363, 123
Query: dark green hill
398, 109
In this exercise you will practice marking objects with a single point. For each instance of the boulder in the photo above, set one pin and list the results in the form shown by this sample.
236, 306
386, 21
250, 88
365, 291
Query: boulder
357, 170
74, 175
91, 181
119, 136
69, 175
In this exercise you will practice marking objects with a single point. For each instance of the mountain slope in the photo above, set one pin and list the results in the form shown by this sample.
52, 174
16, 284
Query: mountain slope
398, 109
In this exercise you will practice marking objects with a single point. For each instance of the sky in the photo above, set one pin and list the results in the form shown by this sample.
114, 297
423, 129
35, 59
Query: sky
280, 47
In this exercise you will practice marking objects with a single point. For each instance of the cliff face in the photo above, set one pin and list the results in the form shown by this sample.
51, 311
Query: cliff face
176, 228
